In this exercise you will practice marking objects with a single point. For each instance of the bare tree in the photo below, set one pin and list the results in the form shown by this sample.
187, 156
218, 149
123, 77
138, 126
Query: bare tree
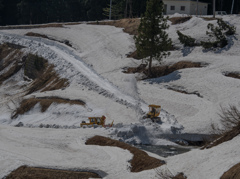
230, 117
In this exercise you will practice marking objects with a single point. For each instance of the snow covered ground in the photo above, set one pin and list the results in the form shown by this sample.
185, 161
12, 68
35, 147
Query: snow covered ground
94, 68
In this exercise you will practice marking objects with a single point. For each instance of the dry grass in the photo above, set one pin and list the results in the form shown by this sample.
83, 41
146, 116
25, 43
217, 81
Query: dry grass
32, 26
159, 71
9, 57
32, 34
141, 160
179, 20
167, 174
8, 54
233, 75
25, 172
134, 55
27, 104
185, 92
230, 119
232, 173
129, 26
48, 81
13, 70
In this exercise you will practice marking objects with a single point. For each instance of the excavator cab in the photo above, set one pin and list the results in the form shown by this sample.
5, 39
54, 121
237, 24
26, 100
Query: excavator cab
154, 111
94, 121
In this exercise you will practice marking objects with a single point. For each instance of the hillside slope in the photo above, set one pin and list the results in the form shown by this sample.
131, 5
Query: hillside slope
94, 68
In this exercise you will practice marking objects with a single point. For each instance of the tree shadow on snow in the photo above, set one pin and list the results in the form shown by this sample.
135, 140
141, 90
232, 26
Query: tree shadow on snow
226, 48
165, 79
187, 50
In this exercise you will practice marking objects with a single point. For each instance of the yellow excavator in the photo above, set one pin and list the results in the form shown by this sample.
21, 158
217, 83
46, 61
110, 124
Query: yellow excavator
100, 121
153, 113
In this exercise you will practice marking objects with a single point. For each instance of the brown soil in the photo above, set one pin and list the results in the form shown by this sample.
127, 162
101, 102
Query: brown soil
11, 58
27, 104
32, 34
48, 76
134, 55
232, 173
233, 75
159, 71
25, 172
9, 55
31, 26
57, 25
185, 92
227, 136
179, 20
36, 35
129, 26
167, 174
141, 160
180, 176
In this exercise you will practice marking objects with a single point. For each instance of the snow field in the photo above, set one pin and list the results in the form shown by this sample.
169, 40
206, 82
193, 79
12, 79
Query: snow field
94, 71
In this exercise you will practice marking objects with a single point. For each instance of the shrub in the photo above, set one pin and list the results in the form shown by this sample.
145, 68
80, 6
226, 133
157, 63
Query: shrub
230, 117
230, 30
220, 33
186, 40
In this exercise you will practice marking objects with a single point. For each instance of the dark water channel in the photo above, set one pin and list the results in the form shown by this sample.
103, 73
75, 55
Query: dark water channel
192, 141
165, 151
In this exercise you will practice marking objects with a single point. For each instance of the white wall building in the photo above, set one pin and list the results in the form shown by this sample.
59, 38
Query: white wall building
190, 7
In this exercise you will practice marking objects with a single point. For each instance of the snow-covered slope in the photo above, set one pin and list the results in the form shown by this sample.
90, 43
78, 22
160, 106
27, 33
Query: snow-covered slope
94, 69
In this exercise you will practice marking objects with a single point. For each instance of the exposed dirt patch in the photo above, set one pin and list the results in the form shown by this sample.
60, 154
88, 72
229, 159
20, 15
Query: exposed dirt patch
227, 136
180, 176
134, 55
32, 34
66, 42
159, 71
179, 20
31, 26
232, 173
10, 61
129, 26
48, 80
210, 18
233, 75
141, 160
184, 91
25, 172
27, 104
35, 67
57, 25
9, 55
167, 174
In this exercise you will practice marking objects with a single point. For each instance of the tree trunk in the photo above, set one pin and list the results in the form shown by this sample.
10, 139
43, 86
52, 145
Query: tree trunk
126, 9
130, 9
150, 67
214, 5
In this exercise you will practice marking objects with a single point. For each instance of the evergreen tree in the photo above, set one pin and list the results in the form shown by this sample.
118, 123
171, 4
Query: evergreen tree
116, 10
152, 40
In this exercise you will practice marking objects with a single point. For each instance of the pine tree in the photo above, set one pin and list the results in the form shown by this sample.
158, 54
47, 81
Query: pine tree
116, 10
152, 40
